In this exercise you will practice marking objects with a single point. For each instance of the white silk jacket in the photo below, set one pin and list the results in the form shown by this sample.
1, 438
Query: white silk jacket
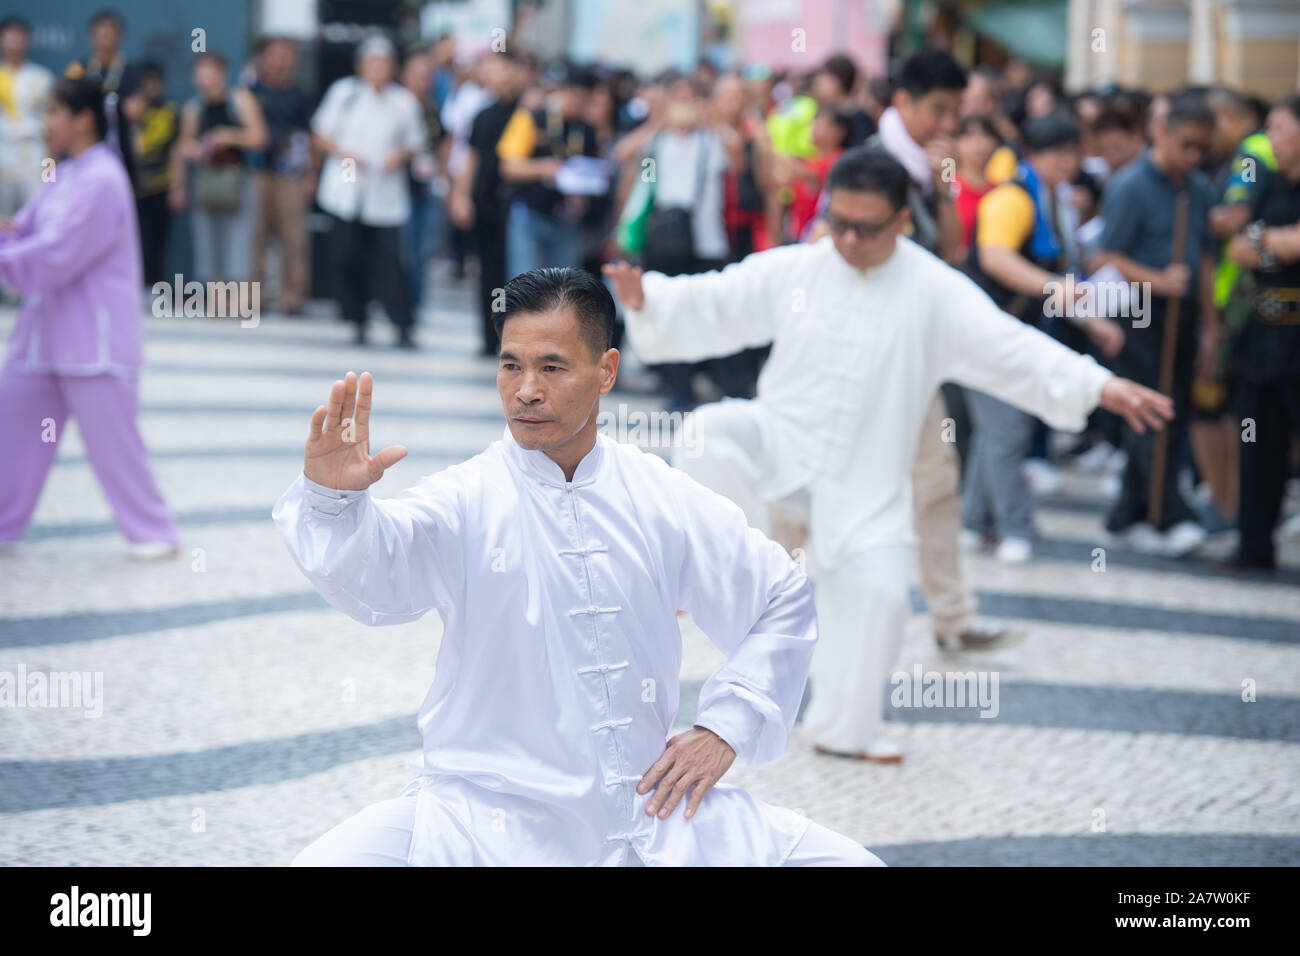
857, 355
557, 677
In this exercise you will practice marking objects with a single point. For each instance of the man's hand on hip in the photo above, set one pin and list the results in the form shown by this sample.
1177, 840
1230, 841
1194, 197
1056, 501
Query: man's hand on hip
696, 758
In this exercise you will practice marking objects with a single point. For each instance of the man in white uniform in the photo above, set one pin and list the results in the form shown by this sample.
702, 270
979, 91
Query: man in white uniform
864, 326
558, 559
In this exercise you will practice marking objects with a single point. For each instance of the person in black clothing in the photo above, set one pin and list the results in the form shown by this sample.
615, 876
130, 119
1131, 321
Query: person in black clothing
1268, 348
154, 137
118, 79
478, 201
546, 226
1139, 212
282, 187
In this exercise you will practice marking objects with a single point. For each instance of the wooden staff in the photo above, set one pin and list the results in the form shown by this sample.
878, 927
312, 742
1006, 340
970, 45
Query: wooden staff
1156, 491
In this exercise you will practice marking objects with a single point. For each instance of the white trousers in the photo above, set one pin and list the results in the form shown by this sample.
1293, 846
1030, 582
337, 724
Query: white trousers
862, 603
380, 835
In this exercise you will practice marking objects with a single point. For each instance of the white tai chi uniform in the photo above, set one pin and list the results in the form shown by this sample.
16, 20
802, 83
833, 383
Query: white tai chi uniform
857, 356
557, 678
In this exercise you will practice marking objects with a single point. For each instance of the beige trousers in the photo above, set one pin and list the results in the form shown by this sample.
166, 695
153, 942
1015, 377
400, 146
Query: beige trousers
936, 518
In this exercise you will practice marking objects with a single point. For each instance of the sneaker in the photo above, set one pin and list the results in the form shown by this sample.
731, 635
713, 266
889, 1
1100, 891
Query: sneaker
1041, 476
406, 341
1139, 537
1095, 458
972, 542
1211, 520
1015, 550
1108, 486
359, 336
153, 550
1183, 538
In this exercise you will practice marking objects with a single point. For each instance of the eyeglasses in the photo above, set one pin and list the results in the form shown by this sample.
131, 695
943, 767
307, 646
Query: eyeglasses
862, 230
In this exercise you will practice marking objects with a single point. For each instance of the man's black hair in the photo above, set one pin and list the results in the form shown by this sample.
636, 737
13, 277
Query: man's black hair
77, 94
18, 22
110, 15
1290, 103
1049, 131
931, 70
546, 290
870, 169
981, 122
843, 69
1189, 109
1113, 119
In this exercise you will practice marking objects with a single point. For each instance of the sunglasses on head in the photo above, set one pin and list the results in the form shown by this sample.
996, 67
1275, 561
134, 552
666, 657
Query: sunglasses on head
862, 230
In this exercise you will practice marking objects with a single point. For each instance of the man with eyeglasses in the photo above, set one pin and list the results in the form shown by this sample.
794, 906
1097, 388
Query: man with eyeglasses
918, 129
1138, 208
864, 325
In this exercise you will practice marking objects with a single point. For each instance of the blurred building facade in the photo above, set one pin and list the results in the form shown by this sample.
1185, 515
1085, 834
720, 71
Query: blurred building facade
1252, 45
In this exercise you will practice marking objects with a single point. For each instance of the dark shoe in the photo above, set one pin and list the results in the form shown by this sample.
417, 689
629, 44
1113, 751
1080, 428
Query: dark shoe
359, 335
405, 341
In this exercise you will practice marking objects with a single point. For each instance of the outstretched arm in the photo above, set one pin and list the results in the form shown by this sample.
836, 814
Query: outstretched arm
380, 561
756, 605
712, 314
986, 349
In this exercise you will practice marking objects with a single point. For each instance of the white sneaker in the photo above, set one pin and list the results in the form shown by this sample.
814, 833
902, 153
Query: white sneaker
1015, 550
153, 550
1041, 476
1108, 486
1095, 458
972, 542
1140, 537
1183, 538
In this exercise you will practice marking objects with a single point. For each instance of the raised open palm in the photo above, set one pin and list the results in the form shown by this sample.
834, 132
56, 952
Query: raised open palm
338, 445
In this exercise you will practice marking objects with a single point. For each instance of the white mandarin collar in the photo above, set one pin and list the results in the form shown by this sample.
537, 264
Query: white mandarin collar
541, 466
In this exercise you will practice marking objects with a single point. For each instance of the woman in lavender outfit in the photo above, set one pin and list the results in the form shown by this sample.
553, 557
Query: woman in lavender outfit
74, 254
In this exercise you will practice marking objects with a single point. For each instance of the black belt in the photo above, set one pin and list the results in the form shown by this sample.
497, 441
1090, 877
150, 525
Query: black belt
1277, 304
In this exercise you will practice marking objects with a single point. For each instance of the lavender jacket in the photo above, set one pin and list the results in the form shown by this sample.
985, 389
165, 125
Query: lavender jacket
74, 254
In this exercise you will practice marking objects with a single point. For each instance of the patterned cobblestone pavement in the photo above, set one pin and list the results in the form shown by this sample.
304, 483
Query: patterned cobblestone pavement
240, 717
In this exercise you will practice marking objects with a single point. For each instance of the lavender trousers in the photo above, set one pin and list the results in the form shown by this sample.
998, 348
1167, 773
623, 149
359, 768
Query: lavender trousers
35, 406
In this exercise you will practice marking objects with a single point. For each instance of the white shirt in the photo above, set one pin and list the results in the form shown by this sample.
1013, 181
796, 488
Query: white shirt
22, 144
688, 173
557, 678
370, 125
856, 358
457, 116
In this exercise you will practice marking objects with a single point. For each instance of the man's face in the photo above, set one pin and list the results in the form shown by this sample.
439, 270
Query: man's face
105, 38
14, 42
826, 89
1118, 147
872, 214
937, 113
377, 69
1059, 164
573, 101
1284, 135
978, 97
1183, 146
279, 61
549, 383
